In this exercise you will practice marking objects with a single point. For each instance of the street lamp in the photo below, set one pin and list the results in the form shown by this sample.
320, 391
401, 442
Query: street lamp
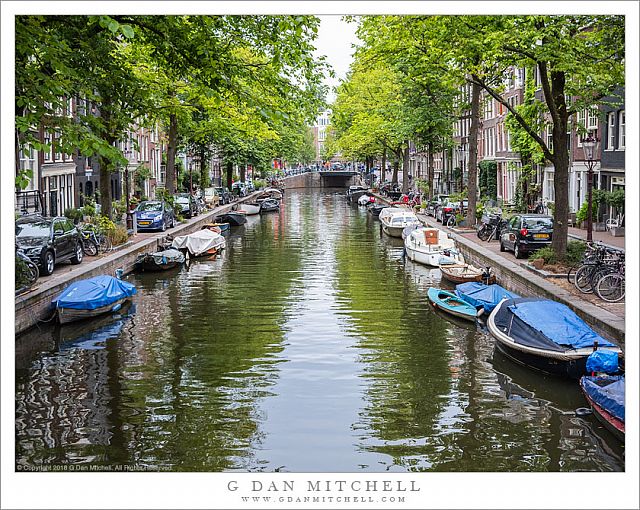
590, 145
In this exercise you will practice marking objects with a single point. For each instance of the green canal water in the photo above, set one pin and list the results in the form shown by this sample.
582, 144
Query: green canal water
308, 346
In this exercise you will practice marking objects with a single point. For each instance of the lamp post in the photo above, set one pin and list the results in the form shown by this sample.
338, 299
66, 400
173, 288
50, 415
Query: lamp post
130, 224
590, 145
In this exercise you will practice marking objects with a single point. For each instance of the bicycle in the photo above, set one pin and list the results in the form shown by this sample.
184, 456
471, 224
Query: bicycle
89, 245
101, 241
611, 287
26, 268
598, 261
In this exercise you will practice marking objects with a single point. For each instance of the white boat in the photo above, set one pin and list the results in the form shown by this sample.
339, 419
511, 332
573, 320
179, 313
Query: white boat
364, 199
200, 243
429, 246
249, 209
395, 219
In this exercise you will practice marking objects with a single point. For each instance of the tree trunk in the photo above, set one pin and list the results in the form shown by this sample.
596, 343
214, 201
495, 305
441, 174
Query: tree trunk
172, 146
243, 172
396, 165
473, 154
383, 168
105, 187
430, 176
229, 175
561, 187
405, 168
204, 171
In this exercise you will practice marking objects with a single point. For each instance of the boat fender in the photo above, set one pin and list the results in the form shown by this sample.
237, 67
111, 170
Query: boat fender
116, 307
480, 311
583, 411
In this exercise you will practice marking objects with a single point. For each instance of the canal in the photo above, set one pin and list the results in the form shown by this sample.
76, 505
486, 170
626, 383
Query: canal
309, 345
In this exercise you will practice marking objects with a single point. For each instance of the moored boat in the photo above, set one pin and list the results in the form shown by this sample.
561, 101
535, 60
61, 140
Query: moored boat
91, 297
462, 273
429, 246
545, 335
450, 303
395, 219
482, 296
234, 218
217, 227
366, 199
159, 261
269, 205
270, 193
355, 192
249, 209
376, 209
605, 394
201, 243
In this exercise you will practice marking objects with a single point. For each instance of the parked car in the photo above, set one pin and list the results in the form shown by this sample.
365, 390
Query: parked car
187, 204
434, 203
211, 197
449, 208
49, 241
526, 233
154, 215
239, 189
225, 195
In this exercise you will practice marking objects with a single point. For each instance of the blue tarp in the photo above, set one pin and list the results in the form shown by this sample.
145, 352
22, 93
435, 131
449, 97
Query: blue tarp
481, 295
603, 361
608, 395
558, 323
93, 293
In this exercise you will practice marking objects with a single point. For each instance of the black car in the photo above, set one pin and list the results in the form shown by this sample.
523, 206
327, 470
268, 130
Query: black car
49, 241
188, 206
225, 195
526, 233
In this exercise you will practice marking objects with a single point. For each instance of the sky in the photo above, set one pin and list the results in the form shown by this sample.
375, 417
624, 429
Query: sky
335, 38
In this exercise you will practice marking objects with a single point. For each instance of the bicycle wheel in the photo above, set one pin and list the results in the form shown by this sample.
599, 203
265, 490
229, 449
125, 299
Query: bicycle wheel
484, 232
451, 221
582, 279
105, 243
611, 287
571, 274
34, 272
89, 247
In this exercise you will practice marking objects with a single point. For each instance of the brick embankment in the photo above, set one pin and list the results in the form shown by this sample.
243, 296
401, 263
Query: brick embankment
516, 278
34, 306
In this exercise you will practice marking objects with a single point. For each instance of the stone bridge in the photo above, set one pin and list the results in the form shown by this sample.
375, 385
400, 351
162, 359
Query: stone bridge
325, 179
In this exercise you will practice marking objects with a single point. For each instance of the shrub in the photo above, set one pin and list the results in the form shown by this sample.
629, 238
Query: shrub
547, 253
105, 225
259, 183
581, 215
73, 214
119, 235
575, 251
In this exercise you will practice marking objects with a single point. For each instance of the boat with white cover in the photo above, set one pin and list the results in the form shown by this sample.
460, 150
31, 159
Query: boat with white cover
395, 219
202, 242
428, 245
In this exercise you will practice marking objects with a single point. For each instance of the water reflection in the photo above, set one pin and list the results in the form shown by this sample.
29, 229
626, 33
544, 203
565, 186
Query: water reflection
309, 345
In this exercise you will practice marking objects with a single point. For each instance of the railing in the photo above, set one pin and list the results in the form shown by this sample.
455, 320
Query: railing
29, 202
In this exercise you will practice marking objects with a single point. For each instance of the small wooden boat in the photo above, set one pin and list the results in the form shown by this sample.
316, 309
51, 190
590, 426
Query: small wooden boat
376, 209
248, 209
89, 298
605, 394
217, 227
159, 261
269, 205
545, 335
462, 273
450, 303
234, 218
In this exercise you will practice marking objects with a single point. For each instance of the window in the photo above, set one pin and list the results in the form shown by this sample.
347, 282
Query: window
621, 130
58, 155
611, 126
592, 120
550, 138
47, 151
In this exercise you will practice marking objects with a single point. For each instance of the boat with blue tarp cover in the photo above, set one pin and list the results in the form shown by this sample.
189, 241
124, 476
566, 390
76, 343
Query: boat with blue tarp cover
483, 296
605, 394
450, 303
545, 335
94, 296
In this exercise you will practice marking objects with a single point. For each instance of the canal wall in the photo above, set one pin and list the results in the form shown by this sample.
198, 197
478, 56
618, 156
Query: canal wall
515, 278
34, 306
